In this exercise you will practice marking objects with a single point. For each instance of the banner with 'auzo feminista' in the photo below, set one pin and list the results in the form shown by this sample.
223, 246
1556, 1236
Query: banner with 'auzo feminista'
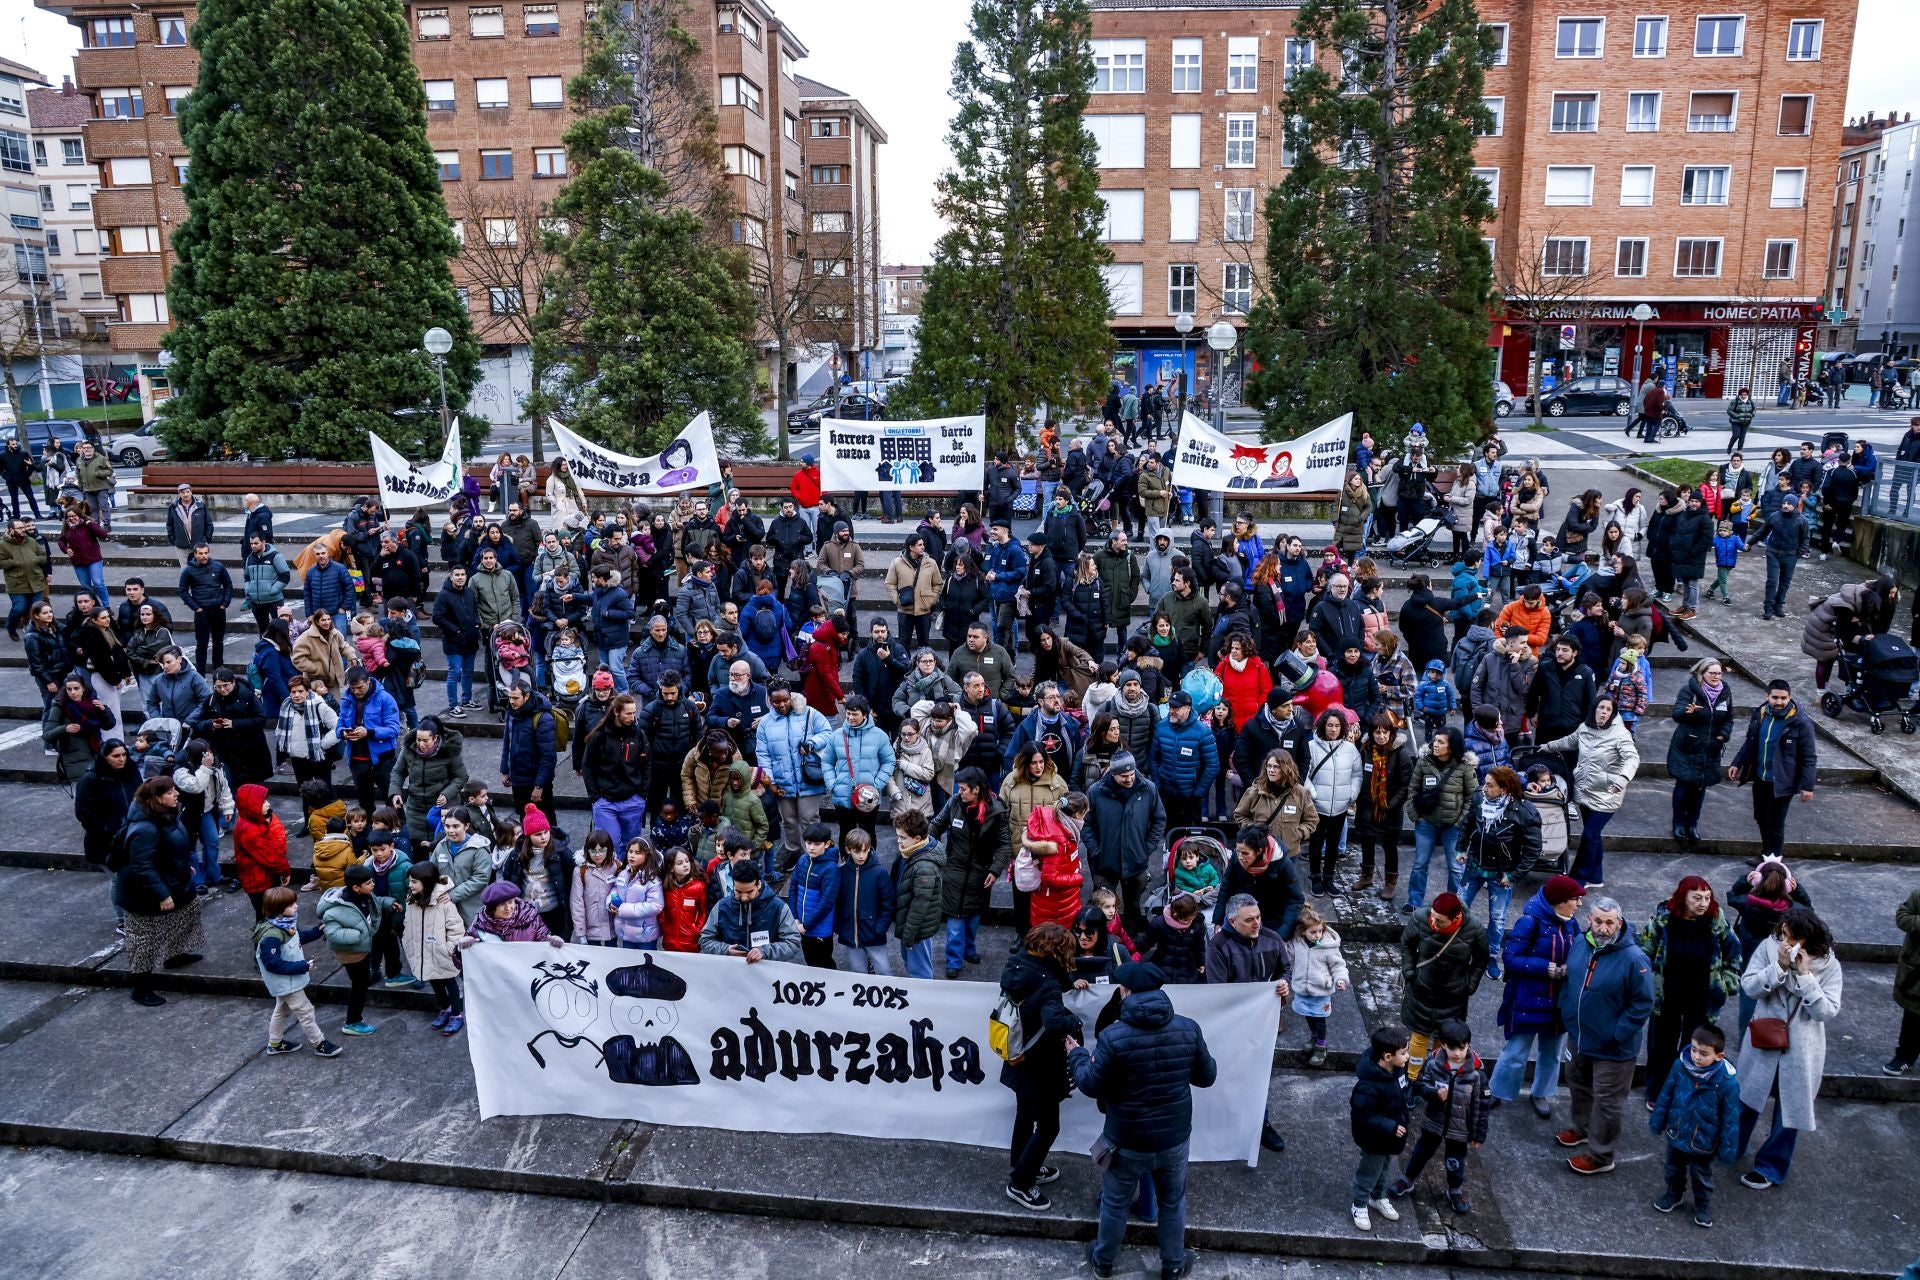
678, 1039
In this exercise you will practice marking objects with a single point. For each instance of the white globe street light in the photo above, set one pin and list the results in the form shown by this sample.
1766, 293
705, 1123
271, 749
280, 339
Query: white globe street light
1641, 313
438, 343
1183, 325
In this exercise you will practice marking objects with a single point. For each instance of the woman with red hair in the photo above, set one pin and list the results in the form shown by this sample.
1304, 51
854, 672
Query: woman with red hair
1696, 963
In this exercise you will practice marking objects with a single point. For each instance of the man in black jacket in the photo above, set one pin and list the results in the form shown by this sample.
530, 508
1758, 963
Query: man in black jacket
1689, 541
16, 467
1562, 692
1144, 1067
878, 669
1780, 758
456, 612
1279, 726
207, 589
671, 726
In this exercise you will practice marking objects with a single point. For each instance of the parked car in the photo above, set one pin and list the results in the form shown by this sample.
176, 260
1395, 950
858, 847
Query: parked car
862, 407
1502, 400
136, 448
806, 417
1596, 393
66, 430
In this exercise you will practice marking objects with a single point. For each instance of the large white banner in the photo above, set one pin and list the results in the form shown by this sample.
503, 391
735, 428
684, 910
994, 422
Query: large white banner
1313, 463
929, 453
404, 486
710, 1041
690, 462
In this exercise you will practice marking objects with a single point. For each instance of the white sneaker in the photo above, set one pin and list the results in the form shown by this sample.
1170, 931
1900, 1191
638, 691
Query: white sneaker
1385, 1209
1361, 1219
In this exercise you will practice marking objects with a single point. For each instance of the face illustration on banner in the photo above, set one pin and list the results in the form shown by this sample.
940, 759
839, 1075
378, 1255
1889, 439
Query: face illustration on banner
569, 1003
1247, 461
1280, 474
645, 994
678, 459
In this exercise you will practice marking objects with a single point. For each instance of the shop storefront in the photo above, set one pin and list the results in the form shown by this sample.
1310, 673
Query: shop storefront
1140, 363
1703, 348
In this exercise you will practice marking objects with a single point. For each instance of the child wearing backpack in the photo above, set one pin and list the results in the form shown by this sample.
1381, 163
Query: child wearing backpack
1317, 971
277, 952
1455, 1086
1727, 547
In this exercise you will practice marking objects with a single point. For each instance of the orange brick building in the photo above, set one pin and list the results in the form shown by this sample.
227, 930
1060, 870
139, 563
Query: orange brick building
1657, 153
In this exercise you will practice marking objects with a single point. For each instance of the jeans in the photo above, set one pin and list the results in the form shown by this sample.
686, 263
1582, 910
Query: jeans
890, 503
1775, 1157
1499, 898
1689, 592
918, 958
1512, 1066
873, 960
1780, 567
621, 819
962, 932
93, 577
206, 858
1685, 1165
1036, 1123
1370, 1179
1423, 1150
1168, 1169
209, 632
1770, 815
1425, 835
616, 661
33, 499
797, 813
1587, 863
459, 678
20, 607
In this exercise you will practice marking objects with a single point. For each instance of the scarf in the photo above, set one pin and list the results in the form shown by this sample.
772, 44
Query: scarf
1166, 916
289, 922
1701, 1074
1238, 664
524, 916
313, 732
1377, 775
1448, 928
1492, 811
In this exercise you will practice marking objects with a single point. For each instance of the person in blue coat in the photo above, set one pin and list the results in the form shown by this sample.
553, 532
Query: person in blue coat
370, 728
610, 624
1534, 964
863, 914
1186, 759
813, 893
273, 663
855, 753
1606, 1001
327, 587
738, 703
765, 627
783, 745
658, 652
1698, 1112
528, 748
1004, 565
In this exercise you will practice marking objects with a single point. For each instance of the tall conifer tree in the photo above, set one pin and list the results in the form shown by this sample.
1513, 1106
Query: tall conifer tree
316, 249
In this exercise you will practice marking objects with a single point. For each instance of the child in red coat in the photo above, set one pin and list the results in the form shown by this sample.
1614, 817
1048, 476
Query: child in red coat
259, 846
822, 683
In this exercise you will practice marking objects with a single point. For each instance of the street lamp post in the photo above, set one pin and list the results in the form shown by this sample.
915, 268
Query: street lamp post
1641, 313
1183, 325
1222, 337
438, 342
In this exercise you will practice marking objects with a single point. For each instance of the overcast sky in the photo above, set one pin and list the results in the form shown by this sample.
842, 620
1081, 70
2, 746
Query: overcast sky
898, 59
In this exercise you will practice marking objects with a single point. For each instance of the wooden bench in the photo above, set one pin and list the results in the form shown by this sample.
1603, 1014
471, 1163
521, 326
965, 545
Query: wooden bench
346, 479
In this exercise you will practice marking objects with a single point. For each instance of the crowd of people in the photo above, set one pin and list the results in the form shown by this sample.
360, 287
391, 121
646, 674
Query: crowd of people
1178, 755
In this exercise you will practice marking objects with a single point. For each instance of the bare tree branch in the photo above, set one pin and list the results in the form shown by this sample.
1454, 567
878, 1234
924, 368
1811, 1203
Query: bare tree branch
28, 331
1539, 293
505, 256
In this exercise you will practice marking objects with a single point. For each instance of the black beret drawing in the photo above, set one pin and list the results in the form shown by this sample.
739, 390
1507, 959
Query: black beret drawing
651, 1056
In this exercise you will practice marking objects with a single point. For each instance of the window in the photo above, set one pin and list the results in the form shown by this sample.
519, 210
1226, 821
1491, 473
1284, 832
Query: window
1796, 119
490, 92
431, 24
830, 267
1803, 45
1853, 171
790, 183
787, 59
1292, 129
121, 104
15, 155
1704, 184
1780, 259
1696, 257
1236, 288
734, 19
1183, 215
30, 260
1186, 65
176, 94
179, 171
439, 95
1650, 37
738, 91
1719, 37
1183, 289
109, 33
89, 284
1636, 185
745, 160
1630, 256
1643, 112
130, 240
827, 127
500, 231
1239, 215
46, 204
1497, 108
1789, 188
1125, 283
540, 19
1119, 66
1296, 56
828, 175
79, 195
1240, 141
1120, 142
1498, 58
504, 300
1491, 179
545, 91
1711, 112
1183, 143
1579, 38
1243, 64
1354, 72
1576, 113
1841, 260
485, 21
1569, 184
1564, 256
549, 162
53, 242
829, 223
172, 29
145, 308
1126, 216
459, 232
40, 160
129, 171
449, 162
72, 152
790, 126
496, 164
460, 295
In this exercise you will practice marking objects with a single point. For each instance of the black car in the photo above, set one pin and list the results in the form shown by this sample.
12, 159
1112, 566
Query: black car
1596, 393
807, 417
863, 407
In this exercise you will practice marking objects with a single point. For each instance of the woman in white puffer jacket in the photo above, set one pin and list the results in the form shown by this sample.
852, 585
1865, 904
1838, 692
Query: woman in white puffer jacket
1333, 776
1606, 762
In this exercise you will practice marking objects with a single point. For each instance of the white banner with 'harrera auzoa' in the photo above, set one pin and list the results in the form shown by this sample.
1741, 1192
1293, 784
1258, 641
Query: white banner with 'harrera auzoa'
677, 1039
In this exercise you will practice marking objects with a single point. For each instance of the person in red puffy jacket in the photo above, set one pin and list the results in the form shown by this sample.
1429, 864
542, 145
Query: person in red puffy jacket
822, 683
259, 845
1053, 836
1244, 679
684, 904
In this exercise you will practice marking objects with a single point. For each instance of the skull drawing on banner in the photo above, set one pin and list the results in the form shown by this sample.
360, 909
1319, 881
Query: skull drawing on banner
646, 1053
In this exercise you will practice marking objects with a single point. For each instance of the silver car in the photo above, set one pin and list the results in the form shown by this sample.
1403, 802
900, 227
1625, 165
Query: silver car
1502, 400
136, 448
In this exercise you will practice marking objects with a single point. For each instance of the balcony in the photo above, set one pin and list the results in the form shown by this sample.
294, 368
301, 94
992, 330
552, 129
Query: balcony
137, 273
129, 336
1710, 124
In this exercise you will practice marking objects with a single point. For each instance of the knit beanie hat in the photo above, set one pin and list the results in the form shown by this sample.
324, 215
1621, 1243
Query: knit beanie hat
534, 821
1561, 889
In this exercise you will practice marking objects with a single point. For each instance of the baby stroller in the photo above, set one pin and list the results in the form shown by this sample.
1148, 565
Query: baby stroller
512, 650
1878, 676
1415, 544
566, 670
1560, 819
1214, 844
1097, 510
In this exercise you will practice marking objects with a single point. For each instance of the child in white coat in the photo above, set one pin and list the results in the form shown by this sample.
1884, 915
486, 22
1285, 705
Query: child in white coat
1317, 971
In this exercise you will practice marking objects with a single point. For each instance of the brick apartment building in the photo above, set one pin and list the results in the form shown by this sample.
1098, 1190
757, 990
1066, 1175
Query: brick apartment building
1664, 158
495, 76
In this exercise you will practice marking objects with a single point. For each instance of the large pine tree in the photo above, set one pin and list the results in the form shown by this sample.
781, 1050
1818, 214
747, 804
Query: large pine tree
658, 307
316, 249
1381, 287
1015, 312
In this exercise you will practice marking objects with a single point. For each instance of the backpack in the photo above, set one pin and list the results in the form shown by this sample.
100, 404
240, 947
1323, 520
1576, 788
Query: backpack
833, 592
765, 629
119, 852
1203, 686
256, 681
1006, 1029
1026, 870
562, 729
